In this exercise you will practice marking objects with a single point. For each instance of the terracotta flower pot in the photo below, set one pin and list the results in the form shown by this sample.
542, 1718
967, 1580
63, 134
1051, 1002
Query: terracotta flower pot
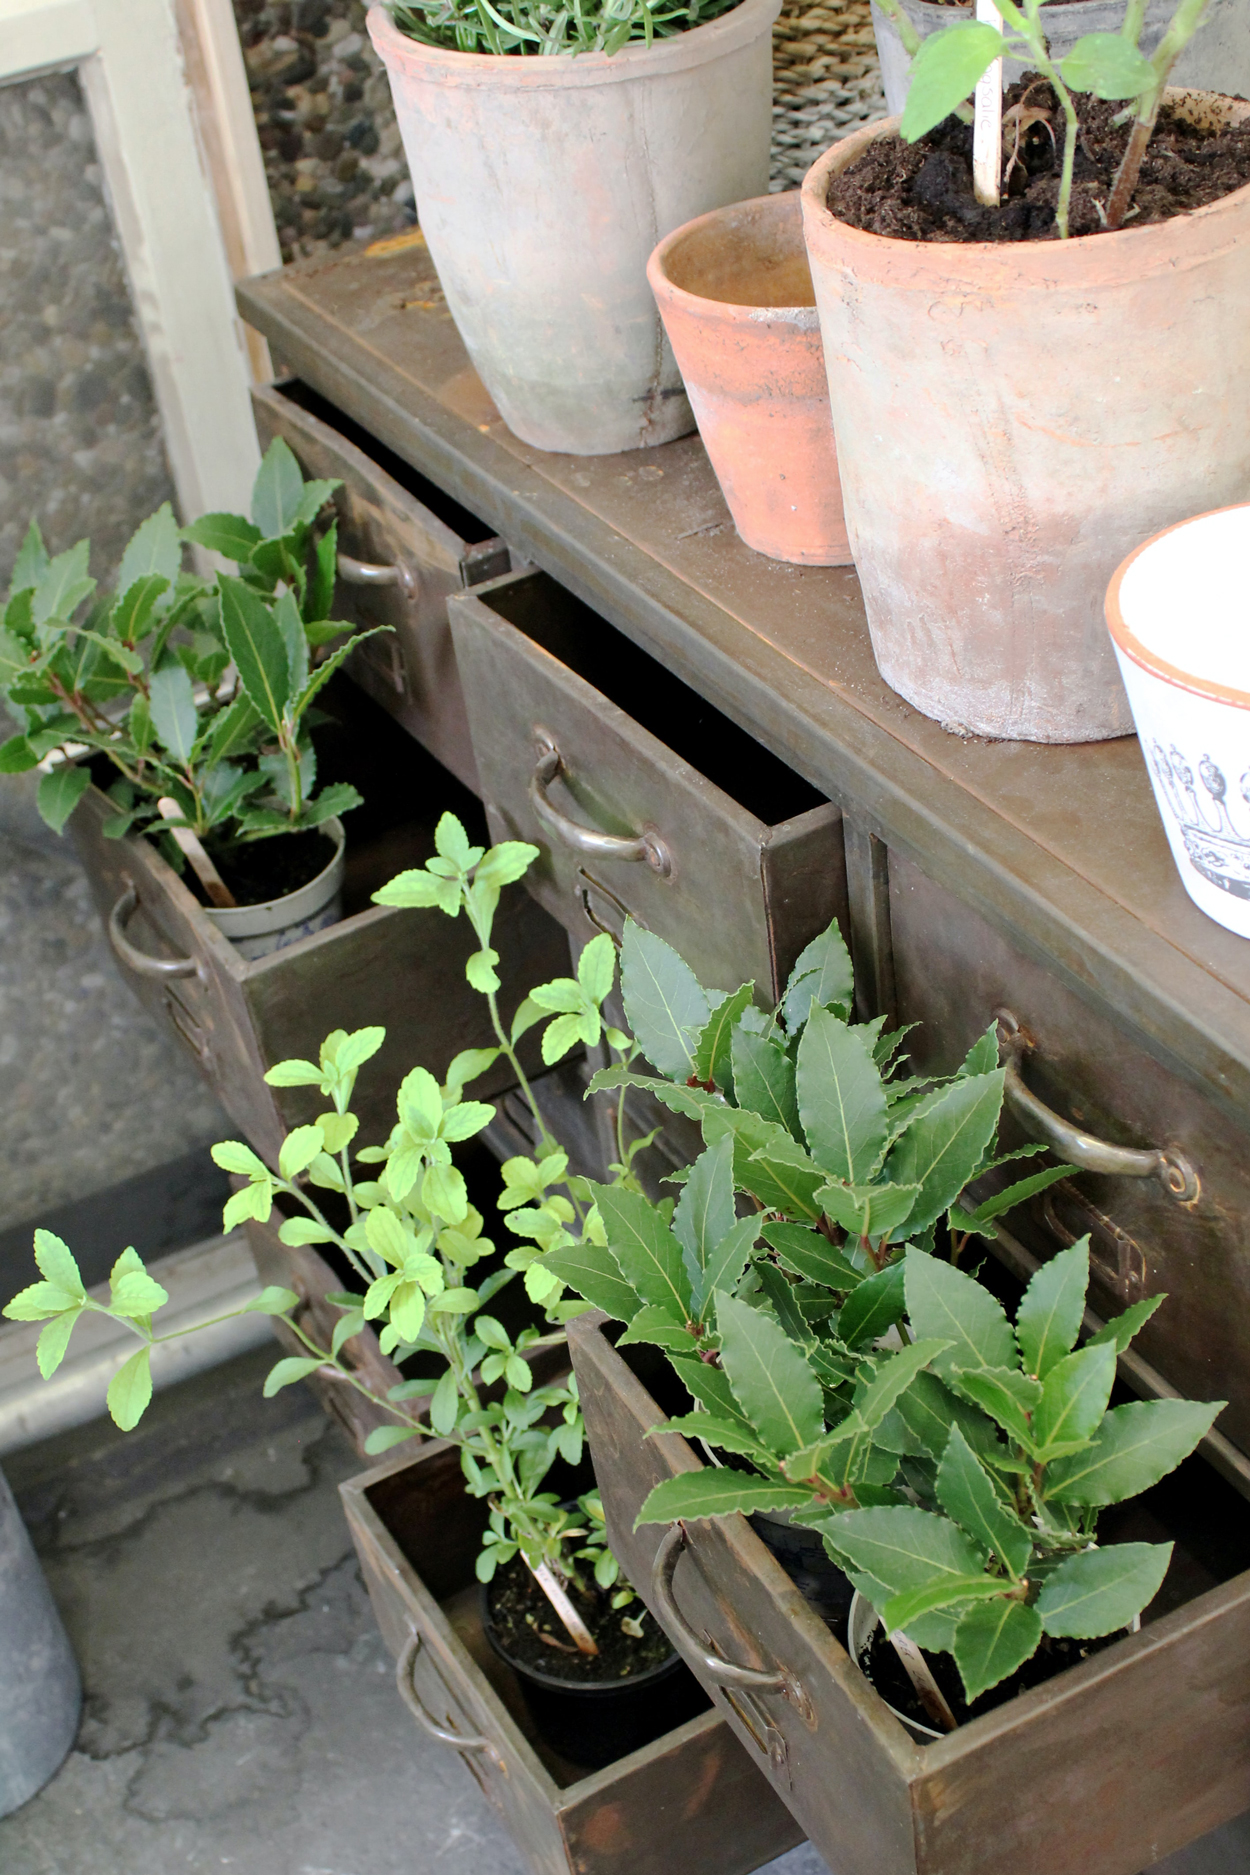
1011, 420
1176, 610
735, 293
1217, 58
542, 185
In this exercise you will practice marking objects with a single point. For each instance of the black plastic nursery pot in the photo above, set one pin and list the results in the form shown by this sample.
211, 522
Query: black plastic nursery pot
401, 969
1108, 1766
691, 1797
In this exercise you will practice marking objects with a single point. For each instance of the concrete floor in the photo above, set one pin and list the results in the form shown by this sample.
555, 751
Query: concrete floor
240, 1709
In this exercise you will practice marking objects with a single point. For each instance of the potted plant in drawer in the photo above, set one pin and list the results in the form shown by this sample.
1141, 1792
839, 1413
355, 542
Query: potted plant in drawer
851, 1375
549, 151
999, 452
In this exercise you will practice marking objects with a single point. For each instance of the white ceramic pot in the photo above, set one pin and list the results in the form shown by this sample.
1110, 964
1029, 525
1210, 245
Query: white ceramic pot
1178, 610
255, 930
1217, 58
542, 186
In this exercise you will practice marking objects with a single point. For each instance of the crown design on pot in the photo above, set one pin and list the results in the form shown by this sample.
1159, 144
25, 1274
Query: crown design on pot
1215, 848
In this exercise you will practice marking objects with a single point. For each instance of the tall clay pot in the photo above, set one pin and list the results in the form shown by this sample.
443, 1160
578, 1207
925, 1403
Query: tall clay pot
40, 1693
1216, 59
542, 185
735, 293
1011, 420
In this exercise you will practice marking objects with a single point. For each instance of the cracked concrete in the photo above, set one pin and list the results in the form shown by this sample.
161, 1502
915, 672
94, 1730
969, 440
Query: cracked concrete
240, 1711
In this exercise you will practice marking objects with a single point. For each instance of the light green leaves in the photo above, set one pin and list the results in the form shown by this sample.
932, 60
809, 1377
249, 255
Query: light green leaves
944, 72
771, 1381
1134, 1447
665, 1003
281, 499
1108, 65
1102, 1590
57, 1265
1051, 1309
154, 550
132, 1292
59, 794
286, 1373
944, 1145
967, 1494
575, 1001
822, 977
227, 534
841, 1097
130, 1390
944, 1303
713, 1050
299, 1149
993, 1639
715, 1493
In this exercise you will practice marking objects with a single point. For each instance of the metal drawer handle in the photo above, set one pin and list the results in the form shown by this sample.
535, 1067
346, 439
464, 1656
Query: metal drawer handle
460, 1741
370, 573
722, 1672
139, 961
1172, 1169
646, 846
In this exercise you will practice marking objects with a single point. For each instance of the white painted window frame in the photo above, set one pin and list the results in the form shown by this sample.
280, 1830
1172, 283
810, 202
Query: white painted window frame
185, 180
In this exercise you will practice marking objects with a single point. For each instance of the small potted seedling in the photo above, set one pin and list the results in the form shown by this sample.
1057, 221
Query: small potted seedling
190, 699
999, 455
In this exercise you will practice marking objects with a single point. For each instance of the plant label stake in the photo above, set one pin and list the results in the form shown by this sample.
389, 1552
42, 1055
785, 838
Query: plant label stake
200, 863
928, 1692
545, 1577
987, 125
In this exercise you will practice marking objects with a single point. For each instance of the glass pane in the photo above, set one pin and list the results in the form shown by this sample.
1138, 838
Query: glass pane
80, 438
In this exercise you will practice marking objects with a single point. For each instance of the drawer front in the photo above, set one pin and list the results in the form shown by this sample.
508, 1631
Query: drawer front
952, 972
397, 564
625, 827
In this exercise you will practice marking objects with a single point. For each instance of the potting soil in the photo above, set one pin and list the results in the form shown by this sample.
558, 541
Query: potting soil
531, 1631
923, 191
262, 870
889, 1676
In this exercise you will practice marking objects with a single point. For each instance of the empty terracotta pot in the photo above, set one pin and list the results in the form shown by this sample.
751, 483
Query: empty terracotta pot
735, 294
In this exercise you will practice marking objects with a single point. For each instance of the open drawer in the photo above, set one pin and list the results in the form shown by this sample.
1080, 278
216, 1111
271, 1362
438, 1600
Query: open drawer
1164, 1189
644, 800
403, 546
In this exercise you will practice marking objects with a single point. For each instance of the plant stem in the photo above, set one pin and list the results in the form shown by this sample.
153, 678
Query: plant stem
902, 25
1184, 24
1071, 134
483, 934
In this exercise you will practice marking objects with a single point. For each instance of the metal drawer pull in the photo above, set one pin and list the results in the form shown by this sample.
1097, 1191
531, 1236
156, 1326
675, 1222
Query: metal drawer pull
646, 846
723, 1672
1172, 1169
137, 960
460, 1741
370, 573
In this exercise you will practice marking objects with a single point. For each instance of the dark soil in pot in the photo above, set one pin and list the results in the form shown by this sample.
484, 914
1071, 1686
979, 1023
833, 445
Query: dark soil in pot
802, 1554
591, 1708
923, 191
883, 1667
260, 870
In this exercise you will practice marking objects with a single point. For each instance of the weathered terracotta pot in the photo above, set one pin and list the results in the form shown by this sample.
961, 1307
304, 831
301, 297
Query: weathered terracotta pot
1217, 58
735, 293
542, 185
1011, 421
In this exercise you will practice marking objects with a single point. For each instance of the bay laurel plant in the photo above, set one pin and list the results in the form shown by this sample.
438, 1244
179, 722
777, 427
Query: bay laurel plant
548, 26
947, 65
401, 1220
806, 1288
198, 689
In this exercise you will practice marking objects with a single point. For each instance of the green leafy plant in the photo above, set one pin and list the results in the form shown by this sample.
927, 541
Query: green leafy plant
198, 690
400, 1216
548, 26
855, 1376
947, 65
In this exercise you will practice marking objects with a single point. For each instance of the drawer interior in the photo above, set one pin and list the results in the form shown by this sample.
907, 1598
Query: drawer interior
697, 732
469, 527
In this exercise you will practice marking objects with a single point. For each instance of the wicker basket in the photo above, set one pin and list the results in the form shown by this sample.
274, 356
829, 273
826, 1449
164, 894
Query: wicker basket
826, 80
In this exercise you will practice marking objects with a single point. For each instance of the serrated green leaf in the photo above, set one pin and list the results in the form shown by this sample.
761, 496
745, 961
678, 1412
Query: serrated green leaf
763, 1079
945, 1304
944, 1145
299, 1149
905, 1548
810, 1254
59, 794
273, 1300
53, 1341
1052, 1308
254, 640
993, 1639
1101, 1590
647, 1252
153, 552
944, 72
383, 1438
133, 1293
55, 1261
233, 1156
712, 1053
893, 1377
658, 1323
929, 1410
967, 1494
771, 1381
509, 861
1134, 1447
705, 1211
728, 1260
277, 491
907, 1607
715, 1492
130, 1390
1109, 65
841, 1097
728, 1435
1074, 1399
982, 1057
869, 1210
286, 1373
32, 561
39, 1301
1007, 1395
874, 1306
823, 976
134, 614
254, 1201
1012, 1195
1120, 1331
665, 1003
63, 585
227, 534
